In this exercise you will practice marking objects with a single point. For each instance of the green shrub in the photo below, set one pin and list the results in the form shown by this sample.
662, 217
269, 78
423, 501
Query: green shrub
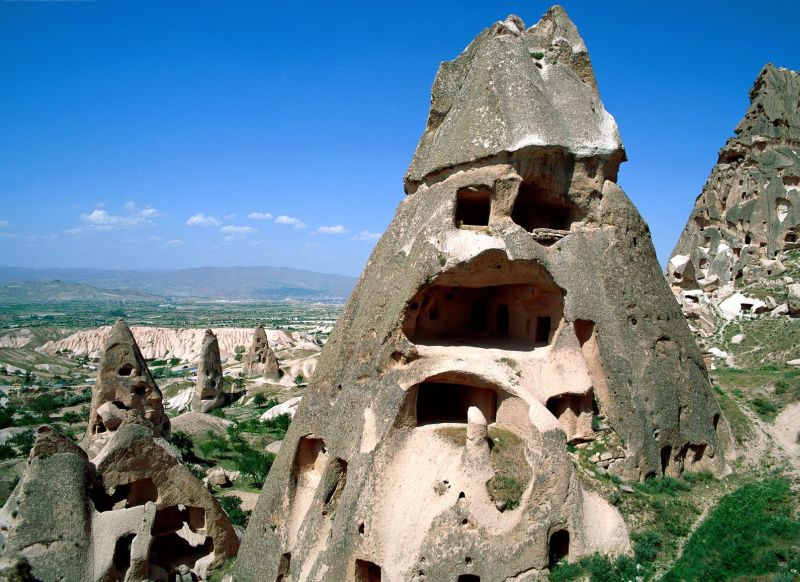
646, 545
765, 408
184, 443
256, 465
664, 485
233, 507
506, 490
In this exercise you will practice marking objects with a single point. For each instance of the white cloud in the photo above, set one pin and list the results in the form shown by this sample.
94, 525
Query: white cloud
260, 216
99, 219
290, 220
7, 235
367, 235
335, 229
4, 223
232, 229
202, 220
175, 243
74, 231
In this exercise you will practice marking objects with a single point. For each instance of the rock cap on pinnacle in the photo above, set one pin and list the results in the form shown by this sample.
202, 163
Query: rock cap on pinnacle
774, 111
514, 88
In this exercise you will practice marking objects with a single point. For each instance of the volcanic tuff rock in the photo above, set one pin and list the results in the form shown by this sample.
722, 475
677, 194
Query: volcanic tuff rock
123, 383
260, 359
515, 293
208, 392
133, 513
747, 215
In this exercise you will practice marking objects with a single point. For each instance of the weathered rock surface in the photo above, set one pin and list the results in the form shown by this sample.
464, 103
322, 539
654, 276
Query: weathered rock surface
133, 513
260, 359
517, 286
209, 388
747, 215
123, 383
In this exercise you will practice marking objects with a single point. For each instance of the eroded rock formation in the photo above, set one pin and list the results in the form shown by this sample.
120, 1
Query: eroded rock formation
133, 513
515, 296
260, 359
123, 383
209, 388
747, 215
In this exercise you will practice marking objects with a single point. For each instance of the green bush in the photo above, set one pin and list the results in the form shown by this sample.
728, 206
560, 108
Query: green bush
664, 485
184, 443
233, 507
646, 545
256, 465
765, 408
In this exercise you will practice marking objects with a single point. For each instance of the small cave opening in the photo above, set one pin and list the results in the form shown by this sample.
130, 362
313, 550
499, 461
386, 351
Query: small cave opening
172, 518
666, 453
539, 206
125, 370
311, 458
132, 494
558, 548
171, 551
490, 302
446, 402
790, 237
574, 412
284, 567
122, 554
139, 389
473, 206
468, 578
367, 571
584, 329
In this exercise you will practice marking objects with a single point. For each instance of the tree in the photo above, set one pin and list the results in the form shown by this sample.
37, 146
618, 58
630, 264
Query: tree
256, 465
238, 383
259, 400
239, 353
299, 379
43, 404
184, 443
233, 507
71, 417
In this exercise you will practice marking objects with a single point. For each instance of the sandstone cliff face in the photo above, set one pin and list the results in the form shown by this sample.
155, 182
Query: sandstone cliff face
208, 392
515, 295
747, 215
123, 383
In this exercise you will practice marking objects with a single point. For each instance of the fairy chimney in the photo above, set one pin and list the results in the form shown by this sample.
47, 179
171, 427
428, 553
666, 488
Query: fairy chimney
123, 383
746, 218
209, 387
260, 359
513, 302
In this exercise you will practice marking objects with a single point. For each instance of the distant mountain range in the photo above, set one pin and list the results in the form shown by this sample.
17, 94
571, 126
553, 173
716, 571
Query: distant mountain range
19, 284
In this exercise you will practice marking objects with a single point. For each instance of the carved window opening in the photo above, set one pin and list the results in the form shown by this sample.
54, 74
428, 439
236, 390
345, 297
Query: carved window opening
125, 370
473, 206
574, 412
537, 206
469, 578
558, 547
367, 571
490, 302
666, 453
445, 402
131, 494
284, 567
122, 555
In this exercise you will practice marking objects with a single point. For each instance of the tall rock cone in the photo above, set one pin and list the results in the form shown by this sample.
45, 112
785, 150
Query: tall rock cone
260, 359
516, 285
123, 383
208, 392
747, 215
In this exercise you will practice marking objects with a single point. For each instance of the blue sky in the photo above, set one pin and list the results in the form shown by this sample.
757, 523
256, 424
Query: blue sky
188, 133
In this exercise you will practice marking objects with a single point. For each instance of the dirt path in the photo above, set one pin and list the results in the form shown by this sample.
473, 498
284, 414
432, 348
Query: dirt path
785, 431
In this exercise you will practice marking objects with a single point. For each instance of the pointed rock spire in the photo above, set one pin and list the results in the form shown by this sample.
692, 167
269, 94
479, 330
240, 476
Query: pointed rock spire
260, 359
514, 88
123, 383
209, 387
